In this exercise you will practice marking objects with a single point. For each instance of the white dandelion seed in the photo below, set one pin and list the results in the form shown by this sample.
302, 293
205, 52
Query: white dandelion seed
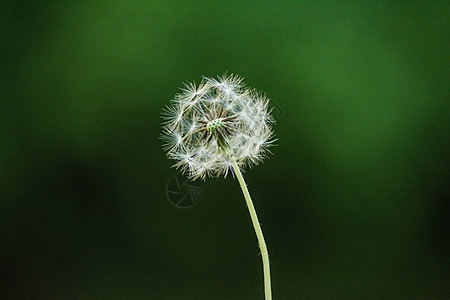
217, 116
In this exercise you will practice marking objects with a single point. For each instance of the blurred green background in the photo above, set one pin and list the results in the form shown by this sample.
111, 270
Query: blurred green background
353, 203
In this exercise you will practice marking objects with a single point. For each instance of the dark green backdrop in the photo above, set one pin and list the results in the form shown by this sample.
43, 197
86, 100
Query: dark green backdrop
353, 203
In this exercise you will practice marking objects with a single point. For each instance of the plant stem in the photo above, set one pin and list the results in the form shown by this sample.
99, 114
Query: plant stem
258, 231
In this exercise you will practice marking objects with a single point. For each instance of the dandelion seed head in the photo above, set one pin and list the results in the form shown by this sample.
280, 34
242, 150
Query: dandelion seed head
208, 126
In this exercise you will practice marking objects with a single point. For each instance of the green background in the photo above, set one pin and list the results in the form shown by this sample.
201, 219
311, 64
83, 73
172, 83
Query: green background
353, 203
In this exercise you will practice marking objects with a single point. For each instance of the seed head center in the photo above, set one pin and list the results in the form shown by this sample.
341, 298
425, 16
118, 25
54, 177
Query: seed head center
212, 125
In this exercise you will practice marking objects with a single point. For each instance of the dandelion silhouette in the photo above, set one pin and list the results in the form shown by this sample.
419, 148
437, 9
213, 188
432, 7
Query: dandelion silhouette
218, 127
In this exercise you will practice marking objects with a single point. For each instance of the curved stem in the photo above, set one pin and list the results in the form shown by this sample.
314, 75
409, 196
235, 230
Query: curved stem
258, 231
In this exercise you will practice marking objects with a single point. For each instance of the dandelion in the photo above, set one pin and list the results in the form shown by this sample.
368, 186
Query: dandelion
209, 126
217, 126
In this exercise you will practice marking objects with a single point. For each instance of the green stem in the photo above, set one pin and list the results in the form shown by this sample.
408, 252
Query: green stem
258, 231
